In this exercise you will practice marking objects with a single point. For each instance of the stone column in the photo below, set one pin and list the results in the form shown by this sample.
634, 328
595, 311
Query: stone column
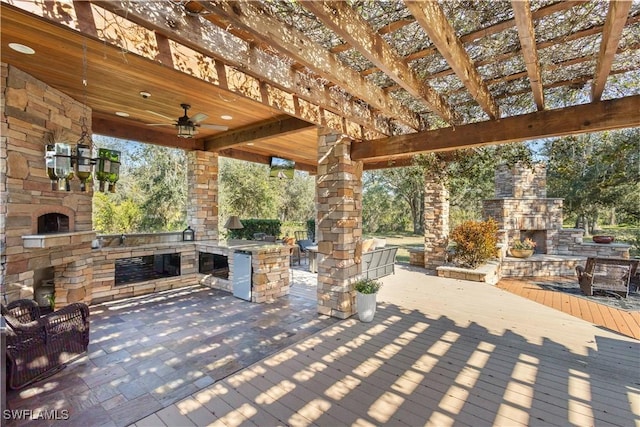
338, 224
436, 222
202, 194
73, 282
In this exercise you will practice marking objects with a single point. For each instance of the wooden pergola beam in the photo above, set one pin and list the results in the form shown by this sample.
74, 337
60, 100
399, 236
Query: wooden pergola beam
432, 19
484, 32
253, 133
304, 50
527, 35
594, 117
244, 58
350, 26
613, 26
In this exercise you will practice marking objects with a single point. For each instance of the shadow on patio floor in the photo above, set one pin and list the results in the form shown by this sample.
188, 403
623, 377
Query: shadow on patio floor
148, 352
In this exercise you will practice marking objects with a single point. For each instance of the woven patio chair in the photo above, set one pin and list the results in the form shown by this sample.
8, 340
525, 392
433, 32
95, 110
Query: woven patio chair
38, 347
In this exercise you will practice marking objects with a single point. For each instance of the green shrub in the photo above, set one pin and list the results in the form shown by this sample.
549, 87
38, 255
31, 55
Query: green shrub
475, 242
251, 226
311, 229
367, 286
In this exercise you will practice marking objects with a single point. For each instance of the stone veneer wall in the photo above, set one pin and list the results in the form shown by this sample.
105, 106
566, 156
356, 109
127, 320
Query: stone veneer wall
202, 209
436, 222
4, 196
339, 224
104, 267
31, 110
270, 279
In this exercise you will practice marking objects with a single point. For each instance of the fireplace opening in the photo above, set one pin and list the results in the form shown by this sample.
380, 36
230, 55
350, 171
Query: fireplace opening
44, 288
143, 268
538, 236
53, 223
214, 264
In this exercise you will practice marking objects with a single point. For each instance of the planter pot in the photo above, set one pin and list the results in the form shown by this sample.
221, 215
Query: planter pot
603, 239
366, 306
521, 253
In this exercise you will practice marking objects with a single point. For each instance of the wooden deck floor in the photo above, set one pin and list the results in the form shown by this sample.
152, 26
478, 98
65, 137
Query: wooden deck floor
624, 322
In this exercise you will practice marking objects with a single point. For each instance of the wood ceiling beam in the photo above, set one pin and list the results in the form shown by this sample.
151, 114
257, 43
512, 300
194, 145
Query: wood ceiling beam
118, 128
431, 17
304, 50
350, 26
257, 132
585, 118
167, 19
527, 35
613, 26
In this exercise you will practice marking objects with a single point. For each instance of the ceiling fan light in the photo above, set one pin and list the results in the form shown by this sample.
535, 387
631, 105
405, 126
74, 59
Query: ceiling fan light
186, 131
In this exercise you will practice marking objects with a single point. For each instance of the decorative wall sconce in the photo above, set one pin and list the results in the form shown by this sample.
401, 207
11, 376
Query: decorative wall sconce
188, 235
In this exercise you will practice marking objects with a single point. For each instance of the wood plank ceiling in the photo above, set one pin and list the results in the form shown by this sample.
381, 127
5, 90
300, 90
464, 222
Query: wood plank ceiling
400, 77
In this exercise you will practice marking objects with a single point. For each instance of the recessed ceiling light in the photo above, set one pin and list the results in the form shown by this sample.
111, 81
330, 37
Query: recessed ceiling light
145, 94
22, 48
249, 143
122, 114
226, 117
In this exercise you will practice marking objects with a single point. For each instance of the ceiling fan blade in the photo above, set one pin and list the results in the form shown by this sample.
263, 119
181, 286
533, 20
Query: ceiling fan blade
162, 115
199, 117
160, 124
214, 127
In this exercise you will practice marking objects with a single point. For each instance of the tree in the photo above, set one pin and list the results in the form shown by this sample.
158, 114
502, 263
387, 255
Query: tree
246, 190
587, 172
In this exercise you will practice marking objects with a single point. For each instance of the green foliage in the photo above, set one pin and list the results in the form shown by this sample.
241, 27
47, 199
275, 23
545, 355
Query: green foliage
475, 242
311, 228
587, 171
525, 244
247, 191
288, 228
270, 227
113, 217
151, 194
367, 286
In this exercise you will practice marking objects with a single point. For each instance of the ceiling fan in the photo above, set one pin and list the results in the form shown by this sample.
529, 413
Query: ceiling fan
187, 126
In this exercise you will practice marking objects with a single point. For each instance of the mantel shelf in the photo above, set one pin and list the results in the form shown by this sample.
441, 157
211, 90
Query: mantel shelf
57, 240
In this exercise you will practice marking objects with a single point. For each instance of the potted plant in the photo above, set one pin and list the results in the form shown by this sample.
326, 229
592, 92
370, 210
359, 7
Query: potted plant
522, 248
366, 291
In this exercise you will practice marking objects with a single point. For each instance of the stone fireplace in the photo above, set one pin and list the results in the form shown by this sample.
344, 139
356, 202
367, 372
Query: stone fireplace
522, 209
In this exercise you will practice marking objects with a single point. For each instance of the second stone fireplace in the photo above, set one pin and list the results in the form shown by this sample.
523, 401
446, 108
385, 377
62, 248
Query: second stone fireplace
522, 209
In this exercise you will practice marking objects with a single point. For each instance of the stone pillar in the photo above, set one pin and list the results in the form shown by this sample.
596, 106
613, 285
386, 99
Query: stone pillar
338, 224
436, 222
72, 282
4, 196
202, 194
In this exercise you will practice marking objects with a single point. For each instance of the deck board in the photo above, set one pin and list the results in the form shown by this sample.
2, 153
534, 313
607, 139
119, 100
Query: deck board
624, 322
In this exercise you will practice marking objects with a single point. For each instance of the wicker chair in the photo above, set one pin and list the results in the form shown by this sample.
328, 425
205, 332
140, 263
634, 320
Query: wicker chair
38, 347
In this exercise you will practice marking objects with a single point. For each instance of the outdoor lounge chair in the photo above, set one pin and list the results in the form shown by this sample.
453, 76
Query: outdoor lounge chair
38, 347
303, 245
611, 275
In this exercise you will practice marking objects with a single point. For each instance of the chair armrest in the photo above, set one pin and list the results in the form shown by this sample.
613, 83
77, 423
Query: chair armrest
25, 310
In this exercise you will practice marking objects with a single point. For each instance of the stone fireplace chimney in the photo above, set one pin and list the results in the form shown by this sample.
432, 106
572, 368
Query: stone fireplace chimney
46, 234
